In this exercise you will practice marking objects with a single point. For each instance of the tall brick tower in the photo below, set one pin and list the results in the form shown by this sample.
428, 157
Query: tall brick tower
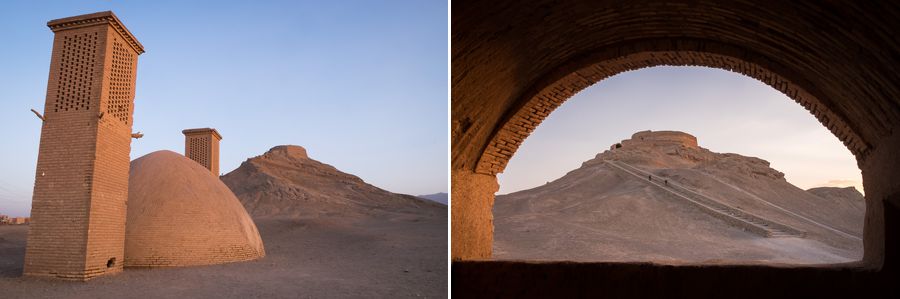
81, 185
202, 145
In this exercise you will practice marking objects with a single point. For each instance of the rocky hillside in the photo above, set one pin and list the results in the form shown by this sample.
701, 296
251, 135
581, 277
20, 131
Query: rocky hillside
660, 196
849, 194
848, 197
285, 182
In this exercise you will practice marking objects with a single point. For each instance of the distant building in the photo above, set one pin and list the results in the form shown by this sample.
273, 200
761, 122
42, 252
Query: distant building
20, 220
4, 219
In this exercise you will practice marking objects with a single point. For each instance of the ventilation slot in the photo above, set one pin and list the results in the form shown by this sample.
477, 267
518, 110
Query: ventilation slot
121, 89
76, 72
200, 150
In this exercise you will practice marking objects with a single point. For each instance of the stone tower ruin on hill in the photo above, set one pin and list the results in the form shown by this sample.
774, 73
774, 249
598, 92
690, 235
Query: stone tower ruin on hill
202, 145
81, 185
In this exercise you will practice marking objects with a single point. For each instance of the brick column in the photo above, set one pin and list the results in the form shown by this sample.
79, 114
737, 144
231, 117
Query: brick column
472, 222
81, 185
202, 146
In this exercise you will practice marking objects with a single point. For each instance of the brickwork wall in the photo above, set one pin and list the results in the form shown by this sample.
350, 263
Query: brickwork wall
81, 183
472, 217
661, 138
214, 156
184, 220
505, 53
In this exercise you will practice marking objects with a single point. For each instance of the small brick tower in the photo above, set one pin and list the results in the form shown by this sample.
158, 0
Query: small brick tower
202, 145
81, 185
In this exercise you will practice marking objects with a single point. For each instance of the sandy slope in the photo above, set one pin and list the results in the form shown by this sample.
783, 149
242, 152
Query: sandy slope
285, 182
599, 213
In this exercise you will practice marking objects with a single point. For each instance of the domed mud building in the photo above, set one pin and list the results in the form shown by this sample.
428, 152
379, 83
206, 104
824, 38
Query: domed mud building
180, 215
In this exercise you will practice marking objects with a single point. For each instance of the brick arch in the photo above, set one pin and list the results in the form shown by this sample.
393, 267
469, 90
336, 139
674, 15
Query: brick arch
512, 62
561, 84
837, 52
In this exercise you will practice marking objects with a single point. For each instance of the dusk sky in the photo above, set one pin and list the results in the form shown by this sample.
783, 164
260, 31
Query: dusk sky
726, 111
362, 85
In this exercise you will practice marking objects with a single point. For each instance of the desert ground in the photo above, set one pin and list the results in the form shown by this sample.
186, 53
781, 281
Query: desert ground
394, 255
641, 228
326, 233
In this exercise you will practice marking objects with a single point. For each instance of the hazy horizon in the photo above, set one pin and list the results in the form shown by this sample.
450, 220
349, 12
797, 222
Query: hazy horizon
361, 85
726, 111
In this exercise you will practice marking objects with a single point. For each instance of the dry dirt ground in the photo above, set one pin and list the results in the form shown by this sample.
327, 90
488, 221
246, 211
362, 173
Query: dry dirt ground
389, 256
640, 228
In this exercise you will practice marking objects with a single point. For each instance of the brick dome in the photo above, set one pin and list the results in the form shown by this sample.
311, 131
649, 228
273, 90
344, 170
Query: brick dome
181, 215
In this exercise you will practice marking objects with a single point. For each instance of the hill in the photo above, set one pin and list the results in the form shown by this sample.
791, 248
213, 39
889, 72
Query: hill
285, 182
661, 197
436, 197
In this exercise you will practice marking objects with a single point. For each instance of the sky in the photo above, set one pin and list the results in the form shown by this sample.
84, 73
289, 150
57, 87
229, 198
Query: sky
362, 85
726, 111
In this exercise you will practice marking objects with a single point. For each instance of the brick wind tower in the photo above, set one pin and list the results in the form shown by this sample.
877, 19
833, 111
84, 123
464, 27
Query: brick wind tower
81, 184
202, 146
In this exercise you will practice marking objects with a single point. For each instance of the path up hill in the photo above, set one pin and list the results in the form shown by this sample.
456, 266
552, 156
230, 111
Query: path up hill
660, 196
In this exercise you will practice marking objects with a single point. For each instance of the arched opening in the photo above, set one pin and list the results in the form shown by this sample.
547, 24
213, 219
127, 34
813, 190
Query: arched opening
692, 202
539, 102
513, 63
